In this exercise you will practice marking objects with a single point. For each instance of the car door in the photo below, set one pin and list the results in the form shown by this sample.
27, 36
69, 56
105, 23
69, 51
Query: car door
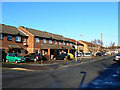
12, 57
9, 57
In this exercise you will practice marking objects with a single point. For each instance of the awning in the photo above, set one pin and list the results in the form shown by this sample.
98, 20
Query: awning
49, 46
68, 47
14, 46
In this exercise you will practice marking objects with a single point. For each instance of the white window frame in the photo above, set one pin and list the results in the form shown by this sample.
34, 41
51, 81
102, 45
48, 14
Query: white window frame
67, 43
9, 37
50, 41
59, 42
24, 39
44, 40
55, 41
36, 39
1, 37
18, 38
63, 43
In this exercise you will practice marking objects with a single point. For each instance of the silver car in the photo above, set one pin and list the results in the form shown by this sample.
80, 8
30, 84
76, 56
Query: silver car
117, 58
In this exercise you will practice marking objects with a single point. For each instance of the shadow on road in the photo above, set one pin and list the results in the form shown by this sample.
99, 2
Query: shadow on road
82, 81
109, 78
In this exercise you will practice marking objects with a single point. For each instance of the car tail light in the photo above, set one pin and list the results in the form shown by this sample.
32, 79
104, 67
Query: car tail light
37, 55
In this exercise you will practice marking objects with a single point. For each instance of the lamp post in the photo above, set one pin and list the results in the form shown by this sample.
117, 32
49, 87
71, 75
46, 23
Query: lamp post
76, 49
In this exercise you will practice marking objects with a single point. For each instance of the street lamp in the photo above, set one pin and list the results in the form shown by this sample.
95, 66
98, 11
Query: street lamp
76, 49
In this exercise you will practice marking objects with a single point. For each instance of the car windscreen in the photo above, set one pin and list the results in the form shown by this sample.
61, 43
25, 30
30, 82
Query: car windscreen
17, 55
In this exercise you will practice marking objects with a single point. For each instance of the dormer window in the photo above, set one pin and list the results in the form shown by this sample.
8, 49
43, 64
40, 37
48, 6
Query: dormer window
50, 41
9, 37
18, 38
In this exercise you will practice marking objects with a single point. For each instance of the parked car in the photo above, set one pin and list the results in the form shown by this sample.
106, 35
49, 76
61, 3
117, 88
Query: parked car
99, 54
64, 56
87, 54
70, 56
60, 57
14, 57
117, 58
34, 57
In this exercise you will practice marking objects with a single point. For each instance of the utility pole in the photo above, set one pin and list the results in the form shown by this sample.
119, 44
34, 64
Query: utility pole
101, 44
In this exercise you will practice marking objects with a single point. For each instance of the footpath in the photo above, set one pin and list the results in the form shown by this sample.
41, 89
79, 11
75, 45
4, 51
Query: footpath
48, 65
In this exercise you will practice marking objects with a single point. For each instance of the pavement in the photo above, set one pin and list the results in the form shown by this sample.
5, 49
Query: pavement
49, 65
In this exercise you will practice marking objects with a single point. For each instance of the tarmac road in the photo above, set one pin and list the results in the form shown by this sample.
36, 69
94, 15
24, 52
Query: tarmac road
72, 77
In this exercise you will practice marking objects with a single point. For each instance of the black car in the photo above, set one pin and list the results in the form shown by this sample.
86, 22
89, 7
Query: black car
34, 57
60, 57
99, 54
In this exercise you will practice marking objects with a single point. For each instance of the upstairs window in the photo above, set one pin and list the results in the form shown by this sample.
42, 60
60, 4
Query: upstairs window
55, 41
24, 39
67, 43
50, 41
1, 36
70, 44
44, 40
63, 43
59, 42
18, 38
36, 39
9, 37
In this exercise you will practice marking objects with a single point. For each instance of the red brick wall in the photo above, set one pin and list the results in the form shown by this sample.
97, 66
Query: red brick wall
30, 40
5, 42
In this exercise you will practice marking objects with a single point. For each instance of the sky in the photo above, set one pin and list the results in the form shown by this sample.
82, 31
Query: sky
70, 19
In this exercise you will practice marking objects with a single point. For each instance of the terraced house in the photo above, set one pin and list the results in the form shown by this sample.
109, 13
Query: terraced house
11, 39
46, 43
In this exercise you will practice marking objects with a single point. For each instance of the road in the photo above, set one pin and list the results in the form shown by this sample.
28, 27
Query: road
79, 76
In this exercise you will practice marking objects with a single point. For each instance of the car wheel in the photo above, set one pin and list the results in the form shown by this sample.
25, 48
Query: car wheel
35, 60
54, 58
64, 58
16, 61
7, 60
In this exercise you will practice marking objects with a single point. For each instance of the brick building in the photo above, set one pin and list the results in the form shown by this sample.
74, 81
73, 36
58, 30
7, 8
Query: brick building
11, 39
46, 43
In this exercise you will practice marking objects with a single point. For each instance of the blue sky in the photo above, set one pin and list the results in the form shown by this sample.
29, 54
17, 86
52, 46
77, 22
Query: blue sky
69, 19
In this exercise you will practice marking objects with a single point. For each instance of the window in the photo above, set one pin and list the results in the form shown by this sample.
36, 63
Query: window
55, 41
70, 44
50, 41
44, 40
24, 39
36, 39
59, 42
18, 38
63, 43
67, 43
1, 36
9, 37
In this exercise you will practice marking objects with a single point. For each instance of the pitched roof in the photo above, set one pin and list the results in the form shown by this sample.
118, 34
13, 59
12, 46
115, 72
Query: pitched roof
44, 34
47, 46
73, 40
89, 43
10, 30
